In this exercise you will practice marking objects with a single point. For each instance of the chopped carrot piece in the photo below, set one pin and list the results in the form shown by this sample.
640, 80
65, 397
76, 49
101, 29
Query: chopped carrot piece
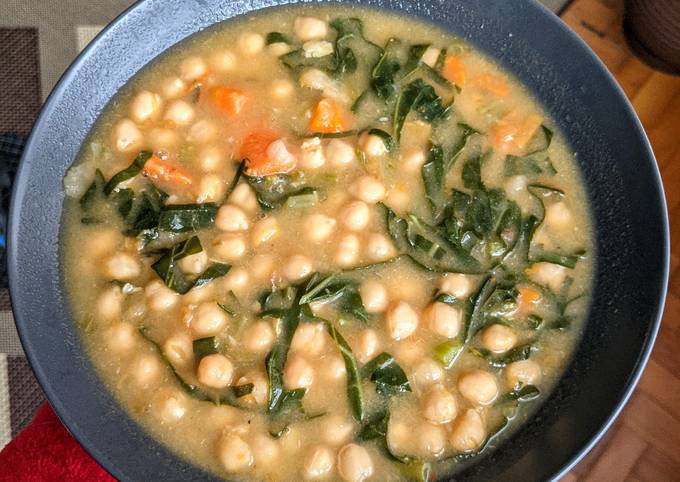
512, 133
494, 84
454, 70
164, 171
527, 298
329, 116
229, 100
266, 154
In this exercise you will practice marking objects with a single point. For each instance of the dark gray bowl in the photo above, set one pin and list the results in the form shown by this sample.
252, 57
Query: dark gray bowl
618, 165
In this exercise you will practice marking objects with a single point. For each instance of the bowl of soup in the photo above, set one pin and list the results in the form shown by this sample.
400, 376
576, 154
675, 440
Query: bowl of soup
355, 241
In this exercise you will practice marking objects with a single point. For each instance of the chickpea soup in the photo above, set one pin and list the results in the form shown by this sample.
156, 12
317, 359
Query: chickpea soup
327, 243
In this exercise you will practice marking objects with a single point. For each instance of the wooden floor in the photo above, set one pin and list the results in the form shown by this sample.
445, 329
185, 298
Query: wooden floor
644, 444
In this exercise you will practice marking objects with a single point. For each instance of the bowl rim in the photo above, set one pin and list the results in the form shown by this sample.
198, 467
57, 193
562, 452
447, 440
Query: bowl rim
19, 192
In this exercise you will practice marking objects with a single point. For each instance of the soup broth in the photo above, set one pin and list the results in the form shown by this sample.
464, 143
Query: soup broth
327, 243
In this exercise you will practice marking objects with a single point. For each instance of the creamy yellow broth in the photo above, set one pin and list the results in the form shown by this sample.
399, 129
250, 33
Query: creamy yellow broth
135, 325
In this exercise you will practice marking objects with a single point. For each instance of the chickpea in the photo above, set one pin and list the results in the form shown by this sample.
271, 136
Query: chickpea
179, 349
260, 391
354, 463
267, 450
236, 280
312, 156
297, 373
430, 56
523, 372
336, 429
258, 337
110, 303
438, 405
126, 136
430, 439
163, 139
169, 405
102, 242
412, 161
367, 345
467, 432
333, 368
316, 79
318, 227
318, 463
122, 266
224, 61
192, 68
262, 266
478, 386
340, 153
558, 216
310, 28
456, 284
515, 187
145, 106
159, 297
548, 274
234, 453
278, 152
265, 230
173, 87
251, 43
443, 319
373, 296
208, 319
194, 263
368, 189
121, 337
277, 49
145, 368
229, 246
347, 251
215, 371
297, 267
199, 294
409, 352
244, 197
498, 338
372, 145
379, 247
427, 372
402, 320
281, 89
398, 198
180, 112
309, 339
211, 159
202, 132
399, 436
356, 215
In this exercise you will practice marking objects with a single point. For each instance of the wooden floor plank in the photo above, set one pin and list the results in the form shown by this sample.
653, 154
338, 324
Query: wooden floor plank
663, 387
619, 459
653, 424
655, 466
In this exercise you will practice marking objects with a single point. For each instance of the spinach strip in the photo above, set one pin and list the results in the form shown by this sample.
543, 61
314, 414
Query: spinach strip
388, 376
182, 218
420, 98
518, 353
425, 245
354, 391
276, 359
129, 172
433, 173
167, 267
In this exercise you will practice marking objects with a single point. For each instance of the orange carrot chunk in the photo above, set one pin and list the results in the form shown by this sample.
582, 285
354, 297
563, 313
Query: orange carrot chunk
266, 154
527, 299
166, 172
454, 70
494, 84
329, 116
513, 132
229, 100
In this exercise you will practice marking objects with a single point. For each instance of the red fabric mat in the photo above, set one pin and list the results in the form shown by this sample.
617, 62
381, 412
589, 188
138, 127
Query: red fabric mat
45, 451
